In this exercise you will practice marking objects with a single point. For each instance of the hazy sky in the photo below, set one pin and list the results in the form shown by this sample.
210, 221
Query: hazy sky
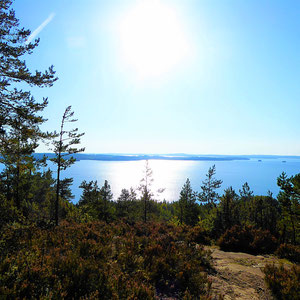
218, 77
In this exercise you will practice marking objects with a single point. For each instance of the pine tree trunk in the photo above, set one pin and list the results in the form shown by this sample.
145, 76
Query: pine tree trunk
57, 192
58, 175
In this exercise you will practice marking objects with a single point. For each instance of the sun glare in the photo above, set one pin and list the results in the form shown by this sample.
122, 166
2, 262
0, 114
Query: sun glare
152, 39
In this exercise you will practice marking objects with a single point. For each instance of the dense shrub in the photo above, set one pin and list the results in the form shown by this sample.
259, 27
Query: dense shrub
198, 234
107, 261
247, 239
290, 252
283, 282
8, 212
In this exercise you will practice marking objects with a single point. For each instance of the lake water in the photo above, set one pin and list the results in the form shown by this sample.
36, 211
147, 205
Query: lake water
171, 175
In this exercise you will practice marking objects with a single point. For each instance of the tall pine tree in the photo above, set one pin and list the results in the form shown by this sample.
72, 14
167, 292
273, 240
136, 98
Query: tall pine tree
14, 46
64, 147
210, 184
20, 117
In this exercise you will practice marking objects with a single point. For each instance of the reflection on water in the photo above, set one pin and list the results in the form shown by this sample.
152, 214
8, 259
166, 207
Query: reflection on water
167, 175
171, 175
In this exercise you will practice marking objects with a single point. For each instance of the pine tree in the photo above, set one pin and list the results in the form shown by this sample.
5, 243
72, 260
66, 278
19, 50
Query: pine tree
145, 189
13, 68
19, 142
246, 193
65, 191
227, 208
106, 196
210, 184
126, 204
20, 118
289, 200
188, 213
63, 149
90, 193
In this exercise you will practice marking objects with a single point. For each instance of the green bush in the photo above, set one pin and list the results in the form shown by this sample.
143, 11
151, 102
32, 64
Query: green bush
247, 239
283, 282
290, 252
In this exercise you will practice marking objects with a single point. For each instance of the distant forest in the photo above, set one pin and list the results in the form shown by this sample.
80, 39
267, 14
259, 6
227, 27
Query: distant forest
181, 156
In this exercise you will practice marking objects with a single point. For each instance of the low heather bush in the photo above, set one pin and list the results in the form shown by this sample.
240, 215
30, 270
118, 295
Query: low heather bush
290, 252
247, 239
198, 234
99, 260
283, 282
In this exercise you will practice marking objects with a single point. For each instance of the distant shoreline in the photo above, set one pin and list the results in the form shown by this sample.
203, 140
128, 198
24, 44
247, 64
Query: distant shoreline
177, 157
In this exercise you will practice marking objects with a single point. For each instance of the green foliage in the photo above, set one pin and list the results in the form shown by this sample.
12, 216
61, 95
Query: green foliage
15, 45
290, 252
145, 190
63, 149
90, 193
283, 282
187, 209
8, 212
13, 70
246, 193
106, 196
65, 189
264, 212
289, 199
166, 211
229, 214
210, 184
20, 117
97, 202
17, 144
127, 207
247, 239
208, 219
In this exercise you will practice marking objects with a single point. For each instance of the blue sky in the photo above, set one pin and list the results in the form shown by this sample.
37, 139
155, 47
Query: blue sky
205, 77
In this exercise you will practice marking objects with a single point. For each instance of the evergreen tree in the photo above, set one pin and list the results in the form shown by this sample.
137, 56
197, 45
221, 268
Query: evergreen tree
41, 193
210, 184
188, 213
63, 149
20, 118
65, 191
289, 199
13, 68
229, 214
166, 211
90, 192
19, 142
126, 204
145, 189
89, 197
106, 197
245, 192
14, 46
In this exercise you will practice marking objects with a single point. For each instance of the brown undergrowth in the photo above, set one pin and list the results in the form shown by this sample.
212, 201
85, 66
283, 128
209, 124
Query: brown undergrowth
99, 260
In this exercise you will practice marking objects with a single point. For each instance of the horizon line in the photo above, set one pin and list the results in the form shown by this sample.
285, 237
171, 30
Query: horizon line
175, 153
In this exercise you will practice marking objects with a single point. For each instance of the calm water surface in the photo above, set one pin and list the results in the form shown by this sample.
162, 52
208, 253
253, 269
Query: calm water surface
171, 175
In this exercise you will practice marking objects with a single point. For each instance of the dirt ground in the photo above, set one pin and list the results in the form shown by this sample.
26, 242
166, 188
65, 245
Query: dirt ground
239, 275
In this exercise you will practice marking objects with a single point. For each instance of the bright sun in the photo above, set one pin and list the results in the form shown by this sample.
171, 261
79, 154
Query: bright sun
152, 40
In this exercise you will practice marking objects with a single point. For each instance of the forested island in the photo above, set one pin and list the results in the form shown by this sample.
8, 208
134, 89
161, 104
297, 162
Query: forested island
136, 157
179, 156
133, 247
